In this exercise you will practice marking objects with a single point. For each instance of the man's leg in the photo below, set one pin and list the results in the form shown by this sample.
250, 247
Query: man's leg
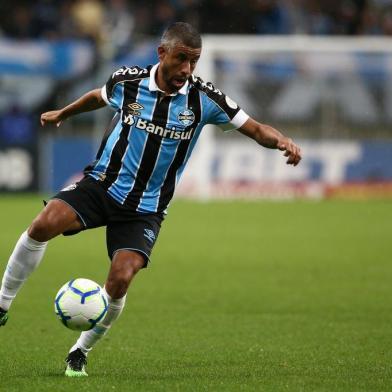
125, 265
53, 220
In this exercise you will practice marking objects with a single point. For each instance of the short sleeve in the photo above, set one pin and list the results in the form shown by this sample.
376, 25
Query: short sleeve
222, 110
113, 91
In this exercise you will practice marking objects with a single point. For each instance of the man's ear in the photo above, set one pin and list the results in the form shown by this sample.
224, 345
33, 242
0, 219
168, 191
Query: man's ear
161, 52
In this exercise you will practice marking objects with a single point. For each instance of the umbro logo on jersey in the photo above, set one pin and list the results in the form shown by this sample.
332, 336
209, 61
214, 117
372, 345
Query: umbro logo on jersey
135, 107
149, 234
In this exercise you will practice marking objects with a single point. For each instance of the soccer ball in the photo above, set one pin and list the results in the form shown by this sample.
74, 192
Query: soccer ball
80, 304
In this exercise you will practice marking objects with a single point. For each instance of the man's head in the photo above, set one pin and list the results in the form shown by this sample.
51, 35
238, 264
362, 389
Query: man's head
178, 53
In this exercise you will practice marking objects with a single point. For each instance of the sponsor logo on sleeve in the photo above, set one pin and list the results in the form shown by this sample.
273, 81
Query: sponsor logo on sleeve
132, 71
230, 103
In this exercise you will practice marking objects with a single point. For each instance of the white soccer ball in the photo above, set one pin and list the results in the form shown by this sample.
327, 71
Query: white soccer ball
80, 304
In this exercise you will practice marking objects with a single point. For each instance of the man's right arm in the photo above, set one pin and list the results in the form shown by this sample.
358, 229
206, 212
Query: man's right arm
89, 101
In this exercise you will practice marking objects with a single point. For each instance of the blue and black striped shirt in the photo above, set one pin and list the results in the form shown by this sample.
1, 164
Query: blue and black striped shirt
152, 135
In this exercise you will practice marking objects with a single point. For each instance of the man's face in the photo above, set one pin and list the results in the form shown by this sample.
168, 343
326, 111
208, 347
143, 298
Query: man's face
176, 65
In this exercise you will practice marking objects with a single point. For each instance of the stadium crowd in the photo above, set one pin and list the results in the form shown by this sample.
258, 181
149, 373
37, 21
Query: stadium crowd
119, 19
116, 28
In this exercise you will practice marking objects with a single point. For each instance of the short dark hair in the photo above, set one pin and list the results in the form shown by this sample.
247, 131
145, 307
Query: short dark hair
181, 32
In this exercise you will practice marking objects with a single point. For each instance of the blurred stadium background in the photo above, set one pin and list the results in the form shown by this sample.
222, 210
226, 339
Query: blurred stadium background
321, 71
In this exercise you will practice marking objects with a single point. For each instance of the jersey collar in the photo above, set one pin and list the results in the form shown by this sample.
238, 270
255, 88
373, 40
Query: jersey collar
152, 86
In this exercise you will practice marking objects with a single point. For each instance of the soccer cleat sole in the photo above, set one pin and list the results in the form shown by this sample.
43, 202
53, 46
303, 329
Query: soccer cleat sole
73, 373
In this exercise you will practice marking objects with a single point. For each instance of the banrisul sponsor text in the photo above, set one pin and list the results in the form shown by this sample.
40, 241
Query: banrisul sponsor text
172, 133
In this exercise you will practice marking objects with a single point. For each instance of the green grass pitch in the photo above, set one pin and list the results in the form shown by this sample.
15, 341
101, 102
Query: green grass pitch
240, 296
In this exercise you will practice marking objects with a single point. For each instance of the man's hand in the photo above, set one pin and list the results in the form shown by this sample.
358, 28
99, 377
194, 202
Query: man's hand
269, 137
292, 151
52, 117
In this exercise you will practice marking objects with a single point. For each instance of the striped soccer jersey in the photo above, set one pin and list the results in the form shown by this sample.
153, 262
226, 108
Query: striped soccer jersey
151, 137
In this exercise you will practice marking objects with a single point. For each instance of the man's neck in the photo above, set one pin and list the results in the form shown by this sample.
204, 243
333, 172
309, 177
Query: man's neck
161, 83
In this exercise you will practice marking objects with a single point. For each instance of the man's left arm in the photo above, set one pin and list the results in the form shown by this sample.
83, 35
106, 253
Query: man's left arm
269, 137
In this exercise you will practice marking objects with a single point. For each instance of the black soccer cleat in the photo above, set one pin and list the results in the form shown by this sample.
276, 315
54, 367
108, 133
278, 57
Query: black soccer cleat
3, 317
76, 362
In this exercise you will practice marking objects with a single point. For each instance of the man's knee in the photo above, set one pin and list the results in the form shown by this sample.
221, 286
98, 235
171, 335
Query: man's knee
125, 265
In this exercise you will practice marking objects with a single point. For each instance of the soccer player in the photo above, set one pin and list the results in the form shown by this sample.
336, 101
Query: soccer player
159, 114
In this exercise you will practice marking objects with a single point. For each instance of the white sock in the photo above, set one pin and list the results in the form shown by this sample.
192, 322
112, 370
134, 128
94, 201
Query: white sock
89, 338
23, 261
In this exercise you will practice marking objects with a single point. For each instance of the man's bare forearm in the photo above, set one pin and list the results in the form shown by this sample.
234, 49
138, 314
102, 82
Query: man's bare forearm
86, 103
268, 136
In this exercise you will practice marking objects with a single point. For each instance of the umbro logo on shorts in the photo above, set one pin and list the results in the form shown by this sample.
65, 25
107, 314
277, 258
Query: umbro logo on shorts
149, 234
